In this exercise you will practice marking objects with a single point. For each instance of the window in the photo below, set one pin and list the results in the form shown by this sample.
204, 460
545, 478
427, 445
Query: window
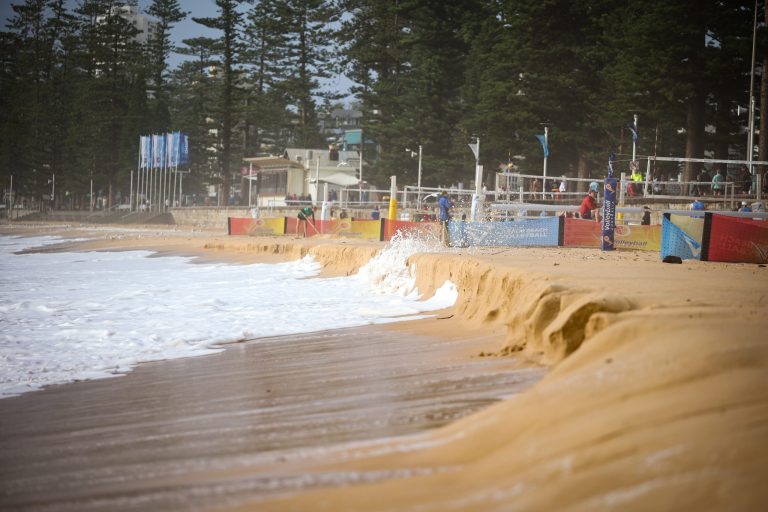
274, 183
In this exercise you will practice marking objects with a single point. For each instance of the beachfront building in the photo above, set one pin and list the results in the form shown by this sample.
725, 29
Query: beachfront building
143, 25
272, 180
300, 175
335, 124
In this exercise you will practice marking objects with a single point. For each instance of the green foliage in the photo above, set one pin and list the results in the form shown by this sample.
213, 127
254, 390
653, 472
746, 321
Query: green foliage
77, 89
166, 13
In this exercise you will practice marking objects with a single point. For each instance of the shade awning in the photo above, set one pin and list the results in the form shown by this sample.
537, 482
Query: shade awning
341, 179
353, 137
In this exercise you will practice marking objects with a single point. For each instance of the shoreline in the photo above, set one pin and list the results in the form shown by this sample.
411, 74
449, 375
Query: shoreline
170, 435
655, 395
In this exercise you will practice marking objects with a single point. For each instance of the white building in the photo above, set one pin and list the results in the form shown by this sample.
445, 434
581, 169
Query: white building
131, 14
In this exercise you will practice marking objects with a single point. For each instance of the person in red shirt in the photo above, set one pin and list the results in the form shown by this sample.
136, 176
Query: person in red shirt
588, 209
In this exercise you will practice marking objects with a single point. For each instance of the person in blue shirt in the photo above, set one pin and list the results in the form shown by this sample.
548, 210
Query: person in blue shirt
698, 205
445, 204
717, 184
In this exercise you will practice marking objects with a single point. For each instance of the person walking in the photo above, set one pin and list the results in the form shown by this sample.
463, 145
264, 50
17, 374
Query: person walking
445, 204
304, 215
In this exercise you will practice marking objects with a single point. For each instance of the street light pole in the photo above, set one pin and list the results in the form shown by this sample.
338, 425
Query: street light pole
250, 183
634, 142
477, 199
544, 171
418, 182
751, 135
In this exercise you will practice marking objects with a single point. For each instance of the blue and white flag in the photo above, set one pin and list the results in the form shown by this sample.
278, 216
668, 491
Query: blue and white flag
170, 153
544, 145
632, 128
155, 152
176, 148
611, 159
161, 151
145, 151
183, 148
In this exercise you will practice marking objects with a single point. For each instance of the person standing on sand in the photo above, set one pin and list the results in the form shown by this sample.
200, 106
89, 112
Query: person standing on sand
445, 204
304, 215
717, 184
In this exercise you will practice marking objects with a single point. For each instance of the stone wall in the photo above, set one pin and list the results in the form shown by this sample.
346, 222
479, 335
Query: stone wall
208, 217
213, 217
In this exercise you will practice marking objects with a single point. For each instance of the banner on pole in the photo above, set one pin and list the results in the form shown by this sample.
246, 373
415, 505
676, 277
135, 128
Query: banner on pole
165, 150
632, 129
474, 149
161, 151
544, 145
169, 153
609, 215
155, 151
183, 148
144, 151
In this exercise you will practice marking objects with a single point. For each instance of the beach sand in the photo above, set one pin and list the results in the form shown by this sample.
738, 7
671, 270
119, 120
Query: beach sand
655, 398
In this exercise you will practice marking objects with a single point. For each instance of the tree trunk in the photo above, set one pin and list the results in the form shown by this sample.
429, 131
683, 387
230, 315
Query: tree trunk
694, 144
581, 170
721, 138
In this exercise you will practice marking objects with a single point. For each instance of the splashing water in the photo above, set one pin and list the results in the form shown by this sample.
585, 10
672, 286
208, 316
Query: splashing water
389, 272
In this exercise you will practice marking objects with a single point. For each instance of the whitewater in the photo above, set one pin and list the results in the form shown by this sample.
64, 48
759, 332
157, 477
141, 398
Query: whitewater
70, 316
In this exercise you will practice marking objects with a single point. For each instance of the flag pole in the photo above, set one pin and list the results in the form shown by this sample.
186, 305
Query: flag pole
138, 169
152, 188
546, 153
164, 165
138, 177
250, 182
175, 166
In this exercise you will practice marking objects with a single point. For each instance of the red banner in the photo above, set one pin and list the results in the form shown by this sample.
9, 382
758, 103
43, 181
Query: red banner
581, 233
253, 227
391, 227
738, 240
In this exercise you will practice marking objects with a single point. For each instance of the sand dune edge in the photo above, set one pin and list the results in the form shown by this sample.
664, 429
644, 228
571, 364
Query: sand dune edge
656, 399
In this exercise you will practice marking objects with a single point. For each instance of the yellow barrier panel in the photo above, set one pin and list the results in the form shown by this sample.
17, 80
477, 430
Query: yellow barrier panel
367, 229
644, 238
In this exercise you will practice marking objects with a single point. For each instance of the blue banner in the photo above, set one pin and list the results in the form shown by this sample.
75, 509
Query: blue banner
632, 129
161, 150
519, 233
609, 215
544, 145
676, 242
166, 150
183, 148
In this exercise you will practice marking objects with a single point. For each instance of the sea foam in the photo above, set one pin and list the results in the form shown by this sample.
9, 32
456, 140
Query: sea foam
76, 316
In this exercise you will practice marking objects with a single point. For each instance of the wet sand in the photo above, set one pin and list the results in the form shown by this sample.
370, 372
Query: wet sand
654, 397
204, 432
